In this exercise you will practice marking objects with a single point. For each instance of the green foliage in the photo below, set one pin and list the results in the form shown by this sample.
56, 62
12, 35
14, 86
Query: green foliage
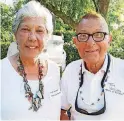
4, 48
6, 29
7, 16
72, 8
69, 10
18, 4
116, 25
65, 29
68, 35
116, 9
61, 26
71, 52
6, 22
69, 47
117, 45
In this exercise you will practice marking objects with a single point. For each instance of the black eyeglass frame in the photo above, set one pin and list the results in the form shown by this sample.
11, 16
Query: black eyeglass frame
104, 33
101, 111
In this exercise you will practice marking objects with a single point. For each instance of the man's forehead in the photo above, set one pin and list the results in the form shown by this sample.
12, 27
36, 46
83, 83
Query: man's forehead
92, 22
99, 20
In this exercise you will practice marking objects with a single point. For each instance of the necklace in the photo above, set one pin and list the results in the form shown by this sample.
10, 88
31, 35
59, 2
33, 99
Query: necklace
34, 99
104, 79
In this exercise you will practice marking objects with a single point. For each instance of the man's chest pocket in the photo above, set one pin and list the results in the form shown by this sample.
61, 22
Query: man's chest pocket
114, 97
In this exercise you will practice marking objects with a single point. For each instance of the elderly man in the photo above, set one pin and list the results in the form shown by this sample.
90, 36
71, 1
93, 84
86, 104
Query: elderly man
93, 87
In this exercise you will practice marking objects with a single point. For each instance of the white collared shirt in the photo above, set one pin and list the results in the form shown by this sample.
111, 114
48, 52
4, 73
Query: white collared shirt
14, 105
91, 90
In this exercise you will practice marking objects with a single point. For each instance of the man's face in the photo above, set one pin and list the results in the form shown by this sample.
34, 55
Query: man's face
91, 51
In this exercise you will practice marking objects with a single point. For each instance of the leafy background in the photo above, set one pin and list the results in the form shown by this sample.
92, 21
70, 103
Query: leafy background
72, 10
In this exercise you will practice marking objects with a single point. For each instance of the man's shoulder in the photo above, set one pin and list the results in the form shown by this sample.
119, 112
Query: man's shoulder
117, 60
118, 63
73, 65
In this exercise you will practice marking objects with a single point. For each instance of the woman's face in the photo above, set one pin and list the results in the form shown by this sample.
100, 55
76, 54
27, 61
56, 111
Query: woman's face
30, 36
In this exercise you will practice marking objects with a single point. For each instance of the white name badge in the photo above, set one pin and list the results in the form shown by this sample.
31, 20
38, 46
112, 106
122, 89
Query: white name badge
54, 93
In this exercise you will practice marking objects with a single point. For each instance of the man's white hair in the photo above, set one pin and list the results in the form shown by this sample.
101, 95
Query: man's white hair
33, 9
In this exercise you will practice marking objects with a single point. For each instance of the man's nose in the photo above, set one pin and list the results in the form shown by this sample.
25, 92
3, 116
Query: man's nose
32, 36
90, 40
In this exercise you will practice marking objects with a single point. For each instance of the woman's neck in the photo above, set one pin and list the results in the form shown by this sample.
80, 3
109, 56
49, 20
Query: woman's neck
94, 67
27, 62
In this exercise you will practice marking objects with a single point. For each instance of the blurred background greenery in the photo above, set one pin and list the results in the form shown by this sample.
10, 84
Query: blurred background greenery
66, 15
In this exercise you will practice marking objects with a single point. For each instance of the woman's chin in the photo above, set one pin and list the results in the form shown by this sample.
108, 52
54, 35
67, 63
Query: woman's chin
30, 55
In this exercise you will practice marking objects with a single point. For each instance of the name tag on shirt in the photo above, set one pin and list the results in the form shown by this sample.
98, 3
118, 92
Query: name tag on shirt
54, 93
112, 88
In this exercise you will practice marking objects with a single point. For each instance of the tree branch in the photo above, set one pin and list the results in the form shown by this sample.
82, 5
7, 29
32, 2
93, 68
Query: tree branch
103, 7
95, 4
66, 18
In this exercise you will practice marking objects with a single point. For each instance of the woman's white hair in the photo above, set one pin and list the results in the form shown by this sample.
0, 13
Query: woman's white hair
33, 9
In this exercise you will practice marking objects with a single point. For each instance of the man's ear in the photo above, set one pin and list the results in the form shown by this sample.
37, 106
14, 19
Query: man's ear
74, 40
110, 38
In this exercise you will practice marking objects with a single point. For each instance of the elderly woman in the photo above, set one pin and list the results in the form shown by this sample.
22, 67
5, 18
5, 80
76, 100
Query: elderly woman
94, 85
30, 85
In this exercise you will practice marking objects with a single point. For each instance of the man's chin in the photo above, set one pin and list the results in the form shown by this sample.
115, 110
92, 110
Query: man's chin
91, 60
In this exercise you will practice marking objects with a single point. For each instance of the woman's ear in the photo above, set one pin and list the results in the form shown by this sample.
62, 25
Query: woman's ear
15, 35
16, 40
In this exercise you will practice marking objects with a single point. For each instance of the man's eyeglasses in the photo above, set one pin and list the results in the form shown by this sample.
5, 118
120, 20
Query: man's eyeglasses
101, 111
97, 37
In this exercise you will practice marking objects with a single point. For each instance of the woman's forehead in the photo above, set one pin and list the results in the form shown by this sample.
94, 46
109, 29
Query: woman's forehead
33, 19
39, 21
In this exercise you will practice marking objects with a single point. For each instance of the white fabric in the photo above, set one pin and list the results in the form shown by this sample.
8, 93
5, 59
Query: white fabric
114, 90
14, 105
91, 89
12, 49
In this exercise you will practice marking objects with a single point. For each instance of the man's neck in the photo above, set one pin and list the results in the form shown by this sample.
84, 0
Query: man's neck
94, 67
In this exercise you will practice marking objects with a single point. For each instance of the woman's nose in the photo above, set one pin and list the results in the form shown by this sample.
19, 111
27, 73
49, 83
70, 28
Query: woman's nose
32, 36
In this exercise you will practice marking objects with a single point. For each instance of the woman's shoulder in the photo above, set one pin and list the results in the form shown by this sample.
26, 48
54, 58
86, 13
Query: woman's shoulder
73, 67
4, 61
5, 66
